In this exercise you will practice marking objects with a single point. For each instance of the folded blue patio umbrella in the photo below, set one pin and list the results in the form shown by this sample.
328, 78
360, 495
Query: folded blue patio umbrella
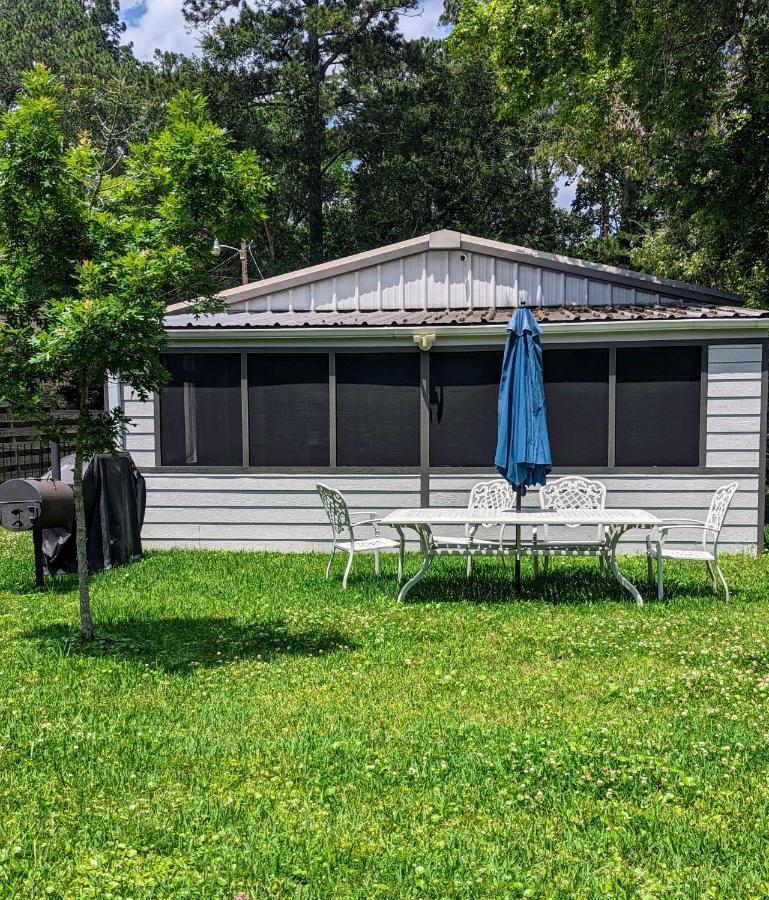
523, 447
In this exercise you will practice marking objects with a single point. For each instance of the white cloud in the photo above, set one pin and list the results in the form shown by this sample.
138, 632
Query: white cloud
158, 25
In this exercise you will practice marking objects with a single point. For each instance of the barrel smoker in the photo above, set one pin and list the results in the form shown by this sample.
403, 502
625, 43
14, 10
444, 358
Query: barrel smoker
32, 504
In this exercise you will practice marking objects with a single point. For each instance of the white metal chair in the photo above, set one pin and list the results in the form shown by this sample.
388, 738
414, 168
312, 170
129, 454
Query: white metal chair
339, 517
496, 494
570, 492
708, 548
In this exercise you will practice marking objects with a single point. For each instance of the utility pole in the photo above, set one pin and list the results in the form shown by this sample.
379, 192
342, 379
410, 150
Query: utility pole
244, 262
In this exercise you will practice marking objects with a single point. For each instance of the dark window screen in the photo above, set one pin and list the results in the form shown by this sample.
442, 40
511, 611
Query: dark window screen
658, 406
464, 388
377, 409
577, 397
200, 417
288, 409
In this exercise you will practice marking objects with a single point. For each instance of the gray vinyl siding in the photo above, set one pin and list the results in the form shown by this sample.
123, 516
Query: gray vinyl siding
449, 279
282, 512
261, 511
140, 438
734, 400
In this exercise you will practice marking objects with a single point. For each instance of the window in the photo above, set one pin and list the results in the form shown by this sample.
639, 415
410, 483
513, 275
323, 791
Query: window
377, 409
200, 417
288, 409
654, 404
577, 397
658, 406
464, 387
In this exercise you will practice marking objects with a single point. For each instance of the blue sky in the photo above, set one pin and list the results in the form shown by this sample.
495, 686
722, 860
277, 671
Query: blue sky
159, 24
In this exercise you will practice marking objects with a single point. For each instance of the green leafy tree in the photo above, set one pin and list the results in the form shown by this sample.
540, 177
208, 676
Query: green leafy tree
107, 92
663, 102
288, 76
432, 152
89, 260
74, 38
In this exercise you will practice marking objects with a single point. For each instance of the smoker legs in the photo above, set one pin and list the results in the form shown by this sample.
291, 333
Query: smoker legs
37, 542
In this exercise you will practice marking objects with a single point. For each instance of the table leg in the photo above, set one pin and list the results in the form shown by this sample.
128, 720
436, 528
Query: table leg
425, 540
401, 553
614, 535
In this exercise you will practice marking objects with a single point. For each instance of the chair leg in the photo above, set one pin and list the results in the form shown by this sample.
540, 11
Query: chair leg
347, 571
331, 559
660, 577
545, 564
723, 580
377, 563
469, 565
401, 554
536, 565
712, 573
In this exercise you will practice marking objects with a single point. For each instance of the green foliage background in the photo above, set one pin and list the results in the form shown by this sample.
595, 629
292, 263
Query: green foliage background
656, 110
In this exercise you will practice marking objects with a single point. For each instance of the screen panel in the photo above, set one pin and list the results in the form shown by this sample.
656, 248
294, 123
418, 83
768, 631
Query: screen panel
577, 398
377, 409
288, 409
464, 387
172, 434
658, 406
200, 414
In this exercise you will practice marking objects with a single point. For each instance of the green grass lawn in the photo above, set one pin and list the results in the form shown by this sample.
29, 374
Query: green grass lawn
243, 725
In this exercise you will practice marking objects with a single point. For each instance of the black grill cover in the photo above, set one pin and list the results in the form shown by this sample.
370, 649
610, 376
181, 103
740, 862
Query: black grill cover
114, 495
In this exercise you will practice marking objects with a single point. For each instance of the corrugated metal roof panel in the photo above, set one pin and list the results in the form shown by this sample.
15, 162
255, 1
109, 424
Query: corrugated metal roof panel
443, 317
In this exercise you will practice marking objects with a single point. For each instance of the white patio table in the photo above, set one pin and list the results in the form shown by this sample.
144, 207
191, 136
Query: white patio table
422, 520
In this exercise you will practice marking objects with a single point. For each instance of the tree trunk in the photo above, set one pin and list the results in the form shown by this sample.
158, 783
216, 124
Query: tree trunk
81, 537
314, 135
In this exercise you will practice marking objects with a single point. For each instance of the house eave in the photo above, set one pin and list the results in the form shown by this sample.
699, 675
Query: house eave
703, 329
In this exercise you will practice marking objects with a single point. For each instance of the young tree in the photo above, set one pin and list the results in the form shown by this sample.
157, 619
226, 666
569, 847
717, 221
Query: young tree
89, 260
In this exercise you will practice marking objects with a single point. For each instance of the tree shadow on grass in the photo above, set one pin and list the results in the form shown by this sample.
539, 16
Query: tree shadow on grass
180, 645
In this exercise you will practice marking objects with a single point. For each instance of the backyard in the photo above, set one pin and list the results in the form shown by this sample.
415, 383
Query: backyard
241, 725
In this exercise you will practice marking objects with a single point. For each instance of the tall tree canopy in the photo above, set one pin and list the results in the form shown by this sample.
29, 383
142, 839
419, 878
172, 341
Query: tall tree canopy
89, 260
664, 105
433, 153
108, 93
288, 75
72, 37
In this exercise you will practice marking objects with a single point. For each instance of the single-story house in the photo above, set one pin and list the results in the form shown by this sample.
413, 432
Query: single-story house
378, 374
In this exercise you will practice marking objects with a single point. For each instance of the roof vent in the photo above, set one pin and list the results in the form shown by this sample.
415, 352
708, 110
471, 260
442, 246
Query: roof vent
445, 240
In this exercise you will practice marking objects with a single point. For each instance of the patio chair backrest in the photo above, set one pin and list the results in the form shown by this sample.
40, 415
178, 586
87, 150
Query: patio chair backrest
573, 492
719, 506
336, 508
497, 494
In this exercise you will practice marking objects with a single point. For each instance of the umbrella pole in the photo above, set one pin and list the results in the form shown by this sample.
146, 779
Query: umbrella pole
518, 545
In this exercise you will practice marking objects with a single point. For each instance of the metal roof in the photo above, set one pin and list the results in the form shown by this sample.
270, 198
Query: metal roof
447, 317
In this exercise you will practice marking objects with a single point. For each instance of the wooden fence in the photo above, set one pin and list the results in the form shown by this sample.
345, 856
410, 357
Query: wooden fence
21, 454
